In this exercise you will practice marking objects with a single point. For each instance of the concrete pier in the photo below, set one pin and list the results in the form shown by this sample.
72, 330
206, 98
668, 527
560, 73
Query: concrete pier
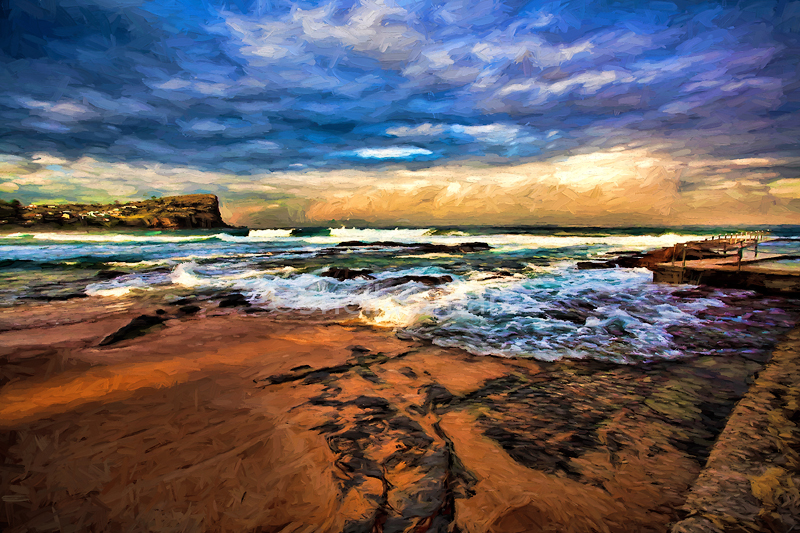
731, 262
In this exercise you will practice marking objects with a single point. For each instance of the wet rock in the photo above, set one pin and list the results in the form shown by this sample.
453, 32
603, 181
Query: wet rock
595, 265
430, 281
461, 248
234, 300
110, 274
436, 397
701, 291
418, 481
136, 328
189, 309
372, 403
408, 372
616, 327
318, 376
382, 244
343, 274
56, 297
357, 350
568, 315
629, 261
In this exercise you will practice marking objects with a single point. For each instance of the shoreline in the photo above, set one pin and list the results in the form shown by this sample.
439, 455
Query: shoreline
239, 421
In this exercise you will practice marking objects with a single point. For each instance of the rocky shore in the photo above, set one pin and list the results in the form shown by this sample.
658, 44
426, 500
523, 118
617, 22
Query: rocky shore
212, 415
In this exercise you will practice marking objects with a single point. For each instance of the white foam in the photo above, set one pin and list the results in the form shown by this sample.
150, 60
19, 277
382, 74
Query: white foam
142, 263
503, 242
118, 291
509, 317
624, 242
185, 276
108, 237
373, 235
270, 233
258, 235
117, 287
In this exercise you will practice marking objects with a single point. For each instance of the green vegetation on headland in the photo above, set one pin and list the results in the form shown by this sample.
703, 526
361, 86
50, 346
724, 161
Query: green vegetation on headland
173, 212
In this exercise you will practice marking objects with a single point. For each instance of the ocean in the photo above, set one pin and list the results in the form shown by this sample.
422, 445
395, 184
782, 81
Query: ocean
524, 297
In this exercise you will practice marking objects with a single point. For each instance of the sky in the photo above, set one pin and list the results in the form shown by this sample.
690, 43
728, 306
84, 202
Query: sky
408, 112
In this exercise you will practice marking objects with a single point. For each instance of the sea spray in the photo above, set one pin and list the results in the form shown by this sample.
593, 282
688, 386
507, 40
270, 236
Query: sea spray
522, 298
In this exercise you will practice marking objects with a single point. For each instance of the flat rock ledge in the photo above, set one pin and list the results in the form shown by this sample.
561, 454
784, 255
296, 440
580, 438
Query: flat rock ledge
752, 477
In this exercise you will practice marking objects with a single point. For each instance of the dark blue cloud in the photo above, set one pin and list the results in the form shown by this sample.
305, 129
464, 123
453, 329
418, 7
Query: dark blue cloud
264, 85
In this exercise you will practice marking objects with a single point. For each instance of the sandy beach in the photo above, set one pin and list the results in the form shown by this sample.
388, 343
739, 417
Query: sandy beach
383, 266
230, 421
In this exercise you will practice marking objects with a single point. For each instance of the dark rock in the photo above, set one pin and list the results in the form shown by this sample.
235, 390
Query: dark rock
623, 252
60, 297
701, 291
650, 259
189, 309
425, 280
357, 349
110, 274
325, 373
369, 375
436, 396
136, 328
382, 244
463, 248
629, 261
328, 427
408, 372
373, 403
234, 300
576, 316
595, 265
346, 273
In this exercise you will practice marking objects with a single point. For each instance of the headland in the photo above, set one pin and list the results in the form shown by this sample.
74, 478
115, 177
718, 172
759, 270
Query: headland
192, 211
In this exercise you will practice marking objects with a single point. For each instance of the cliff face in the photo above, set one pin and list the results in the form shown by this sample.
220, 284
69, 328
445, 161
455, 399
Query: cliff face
173, 212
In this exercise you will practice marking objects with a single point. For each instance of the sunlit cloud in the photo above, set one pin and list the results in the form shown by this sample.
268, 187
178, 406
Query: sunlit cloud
391, 152
474, 111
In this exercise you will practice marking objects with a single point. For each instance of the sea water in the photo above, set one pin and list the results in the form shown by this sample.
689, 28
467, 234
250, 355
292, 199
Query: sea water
524, 297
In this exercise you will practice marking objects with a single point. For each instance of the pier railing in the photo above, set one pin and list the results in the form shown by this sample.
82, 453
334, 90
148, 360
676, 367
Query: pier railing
722, 245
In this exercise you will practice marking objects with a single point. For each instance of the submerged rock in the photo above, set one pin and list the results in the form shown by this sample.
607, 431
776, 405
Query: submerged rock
110, 274
136, 328
346, 273
430, 281
234, 300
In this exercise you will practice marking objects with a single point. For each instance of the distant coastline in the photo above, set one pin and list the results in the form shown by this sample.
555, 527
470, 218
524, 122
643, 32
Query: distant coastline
201, 211
192, 211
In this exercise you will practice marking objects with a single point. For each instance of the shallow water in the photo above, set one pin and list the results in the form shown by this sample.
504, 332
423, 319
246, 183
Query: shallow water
524, 297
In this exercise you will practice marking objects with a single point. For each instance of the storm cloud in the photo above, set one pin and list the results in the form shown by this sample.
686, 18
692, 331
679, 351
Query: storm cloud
279, 102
